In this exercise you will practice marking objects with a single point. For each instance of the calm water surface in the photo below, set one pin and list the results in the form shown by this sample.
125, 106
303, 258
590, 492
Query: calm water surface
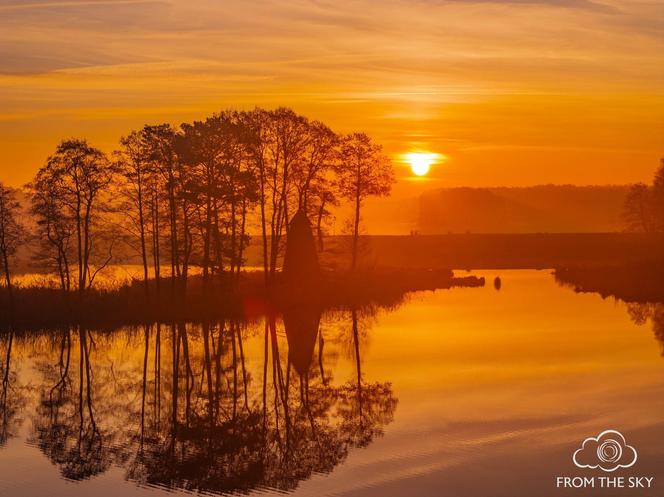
464, 392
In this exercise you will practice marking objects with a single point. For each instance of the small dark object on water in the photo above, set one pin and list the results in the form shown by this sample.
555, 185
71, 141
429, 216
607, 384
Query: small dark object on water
497, 283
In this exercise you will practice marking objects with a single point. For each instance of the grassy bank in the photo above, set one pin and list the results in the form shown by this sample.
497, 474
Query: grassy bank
488, 250
40, 307
631, 282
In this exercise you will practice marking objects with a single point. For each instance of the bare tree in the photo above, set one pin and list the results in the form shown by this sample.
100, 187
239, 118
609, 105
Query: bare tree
163, 192
313, 175
257, 124
11, 233
76, 177
55, 228
197, 148
134, 164
287, 146
195, 188
322, 196
317, 160
238, 186
363, 171
221, 186
277, 147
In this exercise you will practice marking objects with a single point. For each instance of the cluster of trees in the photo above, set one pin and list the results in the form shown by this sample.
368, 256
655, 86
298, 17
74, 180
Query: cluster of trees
187, 196
644, 205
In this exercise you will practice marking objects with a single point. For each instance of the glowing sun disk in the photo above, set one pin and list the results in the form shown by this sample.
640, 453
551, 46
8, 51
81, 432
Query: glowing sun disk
420, 162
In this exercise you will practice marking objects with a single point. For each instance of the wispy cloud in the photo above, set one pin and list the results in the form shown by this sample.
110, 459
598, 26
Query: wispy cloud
568, 4
513, 76
52, 4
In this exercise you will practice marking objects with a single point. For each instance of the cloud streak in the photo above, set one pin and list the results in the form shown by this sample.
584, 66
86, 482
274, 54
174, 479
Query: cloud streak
478, 80
567, 4
11, 5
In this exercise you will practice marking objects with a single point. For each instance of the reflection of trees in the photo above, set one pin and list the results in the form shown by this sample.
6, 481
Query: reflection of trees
190, 410
233, 433
367, 407
654, 312
12, 395
64, 426
7, 411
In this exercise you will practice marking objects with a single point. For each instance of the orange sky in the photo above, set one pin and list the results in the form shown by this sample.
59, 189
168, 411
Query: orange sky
513, 92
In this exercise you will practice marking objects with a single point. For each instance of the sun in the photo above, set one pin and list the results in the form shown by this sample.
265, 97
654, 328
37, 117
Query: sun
420, 162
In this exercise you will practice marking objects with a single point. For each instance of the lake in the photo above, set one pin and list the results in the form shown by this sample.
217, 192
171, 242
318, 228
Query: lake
471, 392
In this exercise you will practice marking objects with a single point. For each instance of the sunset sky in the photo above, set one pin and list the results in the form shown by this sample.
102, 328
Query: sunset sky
514, 92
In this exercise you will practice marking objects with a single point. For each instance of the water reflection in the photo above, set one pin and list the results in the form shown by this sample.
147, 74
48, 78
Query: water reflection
190, 407
641, 295
12, 395
496, 391
64, 425
642, 313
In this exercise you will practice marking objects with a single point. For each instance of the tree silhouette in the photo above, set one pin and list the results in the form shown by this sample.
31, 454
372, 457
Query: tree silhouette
658, 196
188, 195
363, 171
75, 178
55, 229
643, 209
135, 166
638, 212
221, 185
12, 234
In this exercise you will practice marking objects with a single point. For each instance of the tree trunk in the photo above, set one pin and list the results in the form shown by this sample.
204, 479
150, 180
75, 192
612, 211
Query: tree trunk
208, 229
356, 227
263, 224
156, 257
217, 244
319, 222
8, 282
175, 257
79, 241
234, 261
141, 223
242, 235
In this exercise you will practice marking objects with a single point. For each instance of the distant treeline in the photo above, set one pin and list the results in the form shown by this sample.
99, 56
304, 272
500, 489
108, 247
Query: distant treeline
644, 205
533, 209
544, 209
185, 196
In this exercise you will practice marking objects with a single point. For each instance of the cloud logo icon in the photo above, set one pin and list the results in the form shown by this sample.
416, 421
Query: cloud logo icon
607, 451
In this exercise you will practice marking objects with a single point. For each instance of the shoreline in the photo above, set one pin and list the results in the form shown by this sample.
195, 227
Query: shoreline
130, 304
